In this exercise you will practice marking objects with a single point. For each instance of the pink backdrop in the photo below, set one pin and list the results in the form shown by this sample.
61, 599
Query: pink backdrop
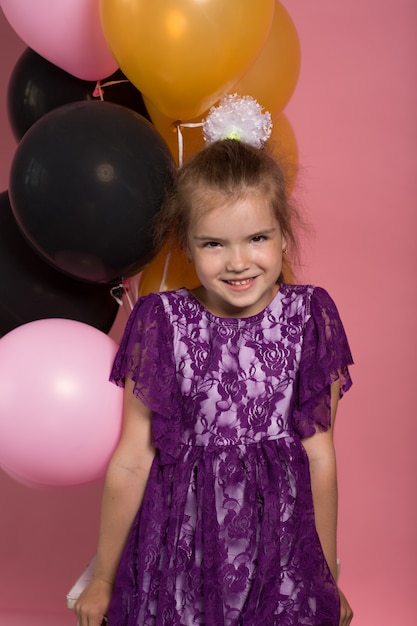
353, 113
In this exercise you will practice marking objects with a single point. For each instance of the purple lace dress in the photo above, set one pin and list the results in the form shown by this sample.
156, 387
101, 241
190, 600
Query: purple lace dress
225, 535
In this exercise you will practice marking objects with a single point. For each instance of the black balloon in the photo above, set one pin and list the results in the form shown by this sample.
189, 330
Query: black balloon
86, 181
32, 289
37, 87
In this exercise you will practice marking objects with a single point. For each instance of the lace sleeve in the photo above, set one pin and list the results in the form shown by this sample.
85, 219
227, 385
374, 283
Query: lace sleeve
325, 358
145, 355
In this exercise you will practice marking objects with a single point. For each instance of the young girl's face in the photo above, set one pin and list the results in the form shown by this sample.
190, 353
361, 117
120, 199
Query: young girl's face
237, 251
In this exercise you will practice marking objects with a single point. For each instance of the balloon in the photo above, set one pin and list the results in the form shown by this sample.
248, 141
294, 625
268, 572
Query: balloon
60, 417
182, 54
86, 181
33, 290
169, 270
193, 139
37, 86
66, 32
273, 76
283, 146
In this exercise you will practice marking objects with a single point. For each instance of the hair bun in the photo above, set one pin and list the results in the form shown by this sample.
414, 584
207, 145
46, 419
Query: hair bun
238, 117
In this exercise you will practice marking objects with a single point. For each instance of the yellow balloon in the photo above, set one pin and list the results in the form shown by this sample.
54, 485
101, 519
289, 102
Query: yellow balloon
273, 76
183, 55
169, 270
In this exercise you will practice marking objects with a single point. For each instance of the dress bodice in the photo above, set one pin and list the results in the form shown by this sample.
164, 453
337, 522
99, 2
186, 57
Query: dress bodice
214, 381
236, 376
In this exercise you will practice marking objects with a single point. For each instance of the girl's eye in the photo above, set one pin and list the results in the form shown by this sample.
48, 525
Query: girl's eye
258, 238
211, 244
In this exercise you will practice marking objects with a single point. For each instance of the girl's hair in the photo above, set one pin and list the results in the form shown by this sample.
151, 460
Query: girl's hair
230, 169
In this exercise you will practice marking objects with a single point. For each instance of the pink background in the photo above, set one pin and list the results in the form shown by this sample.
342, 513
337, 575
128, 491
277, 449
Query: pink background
354, 115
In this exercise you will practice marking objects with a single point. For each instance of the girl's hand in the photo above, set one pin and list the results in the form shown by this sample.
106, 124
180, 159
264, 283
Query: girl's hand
91, 607
346, 613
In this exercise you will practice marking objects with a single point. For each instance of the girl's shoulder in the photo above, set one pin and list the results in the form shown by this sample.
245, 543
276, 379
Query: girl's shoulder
308, 295
314, 306
159, 299
303, 289
163, 308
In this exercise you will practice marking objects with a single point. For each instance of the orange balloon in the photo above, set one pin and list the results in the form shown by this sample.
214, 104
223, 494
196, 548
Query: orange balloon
193, 139
183, 55
178, 272
273, 76
283, 146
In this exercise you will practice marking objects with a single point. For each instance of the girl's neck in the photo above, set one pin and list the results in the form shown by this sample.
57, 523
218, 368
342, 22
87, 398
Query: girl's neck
203, 297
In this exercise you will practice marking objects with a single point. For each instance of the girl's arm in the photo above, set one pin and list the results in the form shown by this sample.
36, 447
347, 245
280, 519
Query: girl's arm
322, 458
124, 487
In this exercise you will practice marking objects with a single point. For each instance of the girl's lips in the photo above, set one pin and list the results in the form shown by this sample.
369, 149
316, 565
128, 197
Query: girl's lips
239, 282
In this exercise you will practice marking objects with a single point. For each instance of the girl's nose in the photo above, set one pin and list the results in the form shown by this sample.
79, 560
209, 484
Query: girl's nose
237, 260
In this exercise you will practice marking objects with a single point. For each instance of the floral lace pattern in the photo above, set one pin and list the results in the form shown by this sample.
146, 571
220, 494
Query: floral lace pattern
225, 535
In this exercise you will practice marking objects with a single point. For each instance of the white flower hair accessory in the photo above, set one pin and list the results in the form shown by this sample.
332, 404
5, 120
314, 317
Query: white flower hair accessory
238, 117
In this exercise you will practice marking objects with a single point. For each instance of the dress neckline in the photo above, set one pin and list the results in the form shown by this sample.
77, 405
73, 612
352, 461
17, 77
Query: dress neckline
236, 321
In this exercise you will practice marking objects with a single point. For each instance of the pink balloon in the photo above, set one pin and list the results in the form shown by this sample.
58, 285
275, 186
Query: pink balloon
67, 33
60, 417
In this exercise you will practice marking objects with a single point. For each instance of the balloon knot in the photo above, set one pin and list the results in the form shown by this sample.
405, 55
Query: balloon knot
98, 92
117, 293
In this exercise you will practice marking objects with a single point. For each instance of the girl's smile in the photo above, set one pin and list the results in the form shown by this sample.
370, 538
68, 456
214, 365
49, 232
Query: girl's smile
237, 251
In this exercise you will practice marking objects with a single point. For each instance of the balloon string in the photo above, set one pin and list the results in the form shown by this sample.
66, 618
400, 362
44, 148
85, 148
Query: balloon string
166, 266
138, 283
180, 139
98, 91
128, 298
131, 286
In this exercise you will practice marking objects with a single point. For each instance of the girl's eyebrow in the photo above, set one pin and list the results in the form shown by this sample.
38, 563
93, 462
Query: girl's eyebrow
206, 238
266, 231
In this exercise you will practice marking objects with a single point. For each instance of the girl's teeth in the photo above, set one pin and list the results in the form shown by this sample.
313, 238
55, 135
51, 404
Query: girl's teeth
239, 282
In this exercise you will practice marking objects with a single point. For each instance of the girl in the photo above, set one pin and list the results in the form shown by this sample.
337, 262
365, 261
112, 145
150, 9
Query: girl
219, 505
